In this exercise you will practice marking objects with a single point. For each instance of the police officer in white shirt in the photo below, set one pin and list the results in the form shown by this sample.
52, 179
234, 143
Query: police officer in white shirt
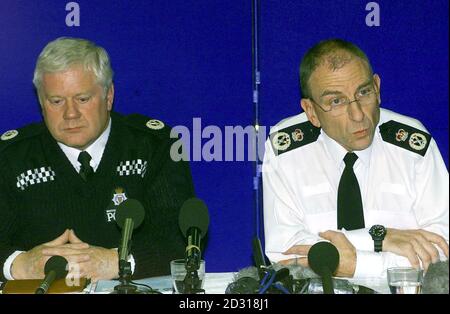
369, 180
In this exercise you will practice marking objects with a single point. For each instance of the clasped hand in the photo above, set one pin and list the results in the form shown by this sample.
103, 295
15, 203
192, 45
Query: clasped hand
84, 260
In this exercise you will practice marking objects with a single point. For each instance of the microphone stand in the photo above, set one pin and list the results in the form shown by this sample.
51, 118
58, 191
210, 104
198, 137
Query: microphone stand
191, 281
125, 286
130, 216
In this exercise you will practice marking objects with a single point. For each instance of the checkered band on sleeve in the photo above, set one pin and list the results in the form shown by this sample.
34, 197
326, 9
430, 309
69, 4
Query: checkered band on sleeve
130, 167
35, 176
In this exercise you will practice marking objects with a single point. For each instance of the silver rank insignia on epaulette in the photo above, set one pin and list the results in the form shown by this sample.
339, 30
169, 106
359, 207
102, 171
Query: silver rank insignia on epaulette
297, 135
155, 124
401, 135
417, 141
281, 141
9, 135
293, 137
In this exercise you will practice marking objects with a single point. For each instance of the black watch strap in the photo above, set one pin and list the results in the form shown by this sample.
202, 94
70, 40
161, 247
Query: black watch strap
378, 232
378, 245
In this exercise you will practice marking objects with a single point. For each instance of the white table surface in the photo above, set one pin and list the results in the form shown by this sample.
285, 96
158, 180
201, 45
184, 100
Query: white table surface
216, 283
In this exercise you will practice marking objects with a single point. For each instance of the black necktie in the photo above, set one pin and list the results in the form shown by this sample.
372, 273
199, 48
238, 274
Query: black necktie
86, 170
349, 203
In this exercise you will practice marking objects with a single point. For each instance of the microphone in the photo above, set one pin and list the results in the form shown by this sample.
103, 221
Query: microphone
129, 216
55, 268
244, 285
435, 280
323, 258
193, 221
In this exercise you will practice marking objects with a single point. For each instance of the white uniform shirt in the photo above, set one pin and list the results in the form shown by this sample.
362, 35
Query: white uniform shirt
399, 189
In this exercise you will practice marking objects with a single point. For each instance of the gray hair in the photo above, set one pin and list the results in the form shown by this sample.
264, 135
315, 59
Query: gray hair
64, 52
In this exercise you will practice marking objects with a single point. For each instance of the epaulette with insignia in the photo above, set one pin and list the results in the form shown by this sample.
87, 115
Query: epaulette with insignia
405, 136
293, 137
145, 123
13, 136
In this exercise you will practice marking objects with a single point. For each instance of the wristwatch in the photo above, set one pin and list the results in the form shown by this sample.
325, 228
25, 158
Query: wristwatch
378, 232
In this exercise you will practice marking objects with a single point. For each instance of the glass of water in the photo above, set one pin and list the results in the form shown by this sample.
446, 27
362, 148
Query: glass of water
178, 273
405, 280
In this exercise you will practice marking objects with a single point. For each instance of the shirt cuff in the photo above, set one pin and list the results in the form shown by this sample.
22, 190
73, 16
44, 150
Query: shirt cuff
360, 239
8, 263
368, 264
372, 264
132, 263
129, 259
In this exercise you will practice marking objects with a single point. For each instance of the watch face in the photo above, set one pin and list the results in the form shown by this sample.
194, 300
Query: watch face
377, 231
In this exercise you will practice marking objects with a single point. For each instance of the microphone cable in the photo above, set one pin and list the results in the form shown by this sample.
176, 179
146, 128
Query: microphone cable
265, 286
153, 291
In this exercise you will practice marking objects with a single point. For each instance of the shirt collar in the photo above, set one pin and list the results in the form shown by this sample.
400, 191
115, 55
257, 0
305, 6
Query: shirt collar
96, 150
337, 152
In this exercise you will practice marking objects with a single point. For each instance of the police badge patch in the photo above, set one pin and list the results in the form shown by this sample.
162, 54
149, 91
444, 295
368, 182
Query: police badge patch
118, 196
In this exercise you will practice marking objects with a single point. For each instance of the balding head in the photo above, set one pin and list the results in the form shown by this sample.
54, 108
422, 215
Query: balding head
332, 53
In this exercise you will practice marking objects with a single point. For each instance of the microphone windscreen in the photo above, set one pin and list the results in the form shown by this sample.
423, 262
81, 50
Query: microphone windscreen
244, 285
251, 271
323, 255
58, 264
297, 271
436, 279
194, 213
130, 208
246, 281
282, 274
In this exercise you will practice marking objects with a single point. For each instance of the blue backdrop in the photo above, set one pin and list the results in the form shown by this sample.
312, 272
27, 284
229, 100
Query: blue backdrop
176, 60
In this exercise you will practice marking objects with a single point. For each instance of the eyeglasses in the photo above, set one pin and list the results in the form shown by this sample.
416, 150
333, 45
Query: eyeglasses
338, 105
